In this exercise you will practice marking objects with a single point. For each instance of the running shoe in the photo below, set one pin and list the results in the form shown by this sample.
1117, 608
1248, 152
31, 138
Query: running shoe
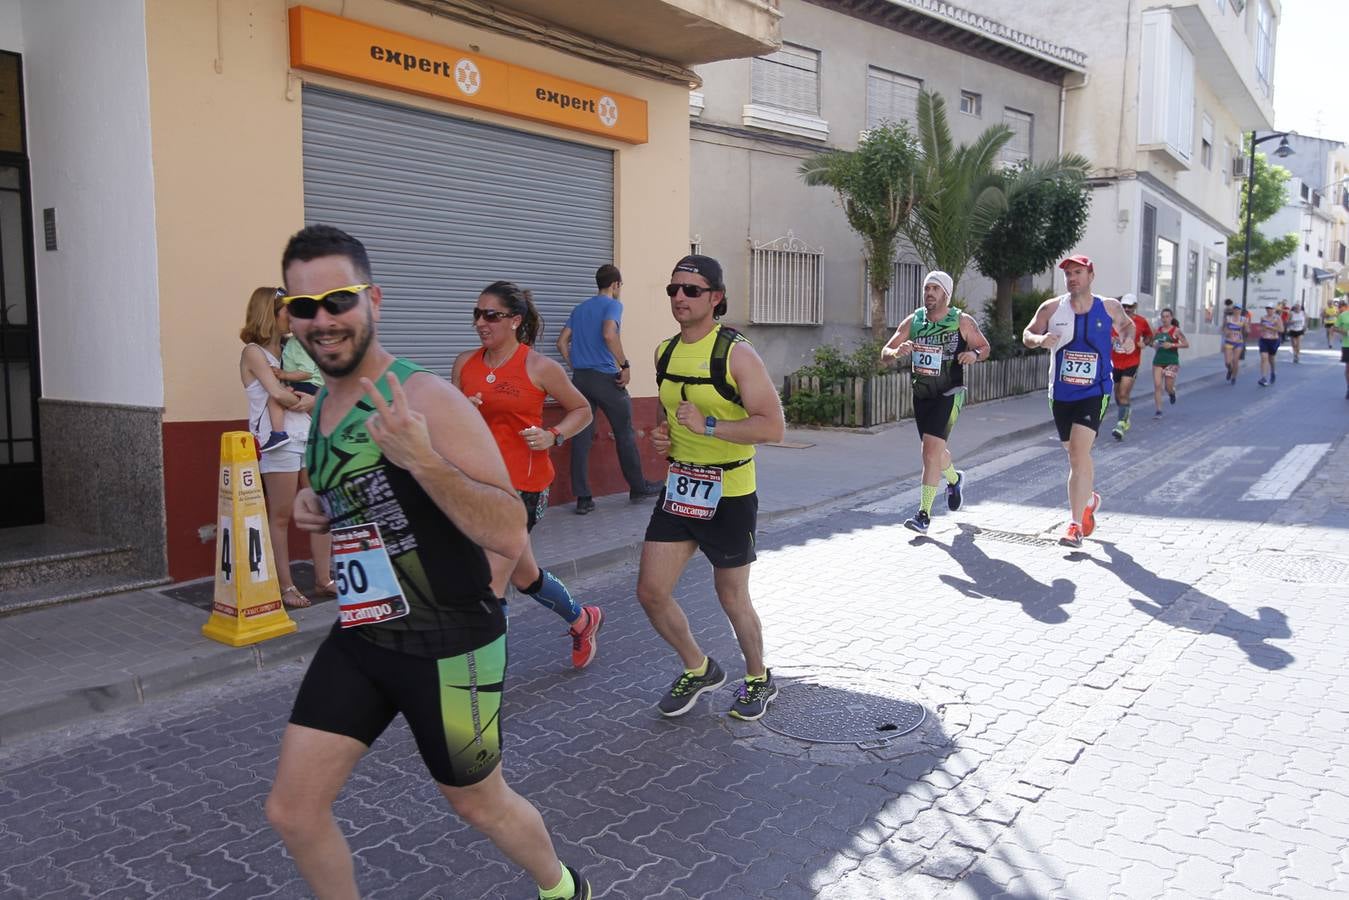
1118, 432
1157, 414
918, 522
583, 643
582, 886
752, 698
1073, 536
1089, 515
681, 696
584, 505
277, 440
1272, 377
953, 492
1172, 395
1263, 382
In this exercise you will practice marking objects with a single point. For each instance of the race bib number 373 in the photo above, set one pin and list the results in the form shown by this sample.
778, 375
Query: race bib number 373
367, 587
1078, 368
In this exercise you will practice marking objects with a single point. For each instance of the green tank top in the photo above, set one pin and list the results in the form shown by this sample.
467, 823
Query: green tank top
443, 575
935, 347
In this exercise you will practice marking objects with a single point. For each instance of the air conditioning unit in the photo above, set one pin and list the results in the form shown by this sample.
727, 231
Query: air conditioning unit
1239, 164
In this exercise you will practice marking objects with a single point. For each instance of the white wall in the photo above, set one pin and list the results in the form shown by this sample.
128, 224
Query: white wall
88, 111
11, 26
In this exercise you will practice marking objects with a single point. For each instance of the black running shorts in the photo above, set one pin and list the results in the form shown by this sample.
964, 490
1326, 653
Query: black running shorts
453, 705
1120, 374
1344, 352
1269, 346
726, 539
536, 504
938, 415
1088, 411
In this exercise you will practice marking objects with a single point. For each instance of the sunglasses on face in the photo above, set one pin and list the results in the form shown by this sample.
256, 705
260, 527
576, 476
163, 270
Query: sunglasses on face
491, 315
690, 290
336, 301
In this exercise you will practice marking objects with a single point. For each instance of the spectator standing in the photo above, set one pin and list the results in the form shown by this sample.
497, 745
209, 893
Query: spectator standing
591, 346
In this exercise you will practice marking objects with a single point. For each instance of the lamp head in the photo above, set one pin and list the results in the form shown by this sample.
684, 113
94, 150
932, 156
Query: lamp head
1284, 151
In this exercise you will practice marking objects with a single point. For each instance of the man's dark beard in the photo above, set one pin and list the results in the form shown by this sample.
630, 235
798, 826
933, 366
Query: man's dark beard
357, 356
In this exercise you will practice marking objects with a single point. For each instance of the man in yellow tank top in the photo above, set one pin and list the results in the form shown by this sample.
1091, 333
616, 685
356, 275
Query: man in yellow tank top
716, 410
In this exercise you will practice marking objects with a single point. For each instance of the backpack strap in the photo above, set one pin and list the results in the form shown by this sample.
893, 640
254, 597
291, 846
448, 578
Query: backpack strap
718, 367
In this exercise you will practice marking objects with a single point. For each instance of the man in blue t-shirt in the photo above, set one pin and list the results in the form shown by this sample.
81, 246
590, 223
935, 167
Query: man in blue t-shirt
590, 344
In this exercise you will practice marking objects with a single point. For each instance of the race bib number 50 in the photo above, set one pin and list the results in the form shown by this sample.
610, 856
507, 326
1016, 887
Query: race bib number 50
692, 491
1078, 368
367, 588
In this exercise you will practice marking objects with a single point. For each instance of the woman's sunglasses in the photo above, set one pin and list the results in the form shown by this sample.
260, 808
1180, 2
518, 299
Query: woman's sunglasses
690, 290
491, 315
336, 301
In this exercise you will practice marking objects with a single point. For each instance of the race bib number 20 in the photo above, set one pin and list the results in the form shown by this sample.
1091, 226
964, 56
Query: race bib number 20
367, 587
926, 359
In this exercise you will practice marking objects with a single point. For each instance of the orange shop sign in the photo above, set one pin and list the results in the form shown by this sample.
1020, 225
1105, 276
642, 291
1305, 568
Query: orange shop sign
321, 42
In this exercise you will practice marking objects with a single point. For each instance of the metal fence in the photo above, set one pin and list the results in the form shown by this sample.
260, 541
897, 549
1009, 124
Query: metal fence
889, 397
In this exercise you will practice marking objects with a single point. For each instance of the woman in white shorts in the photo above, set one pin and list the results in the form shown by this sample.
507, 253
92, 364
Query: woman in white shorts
283, 468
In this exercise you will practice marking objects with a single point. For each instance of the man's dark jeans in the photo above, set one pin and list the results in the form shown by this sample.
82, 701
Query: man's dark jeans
604, 392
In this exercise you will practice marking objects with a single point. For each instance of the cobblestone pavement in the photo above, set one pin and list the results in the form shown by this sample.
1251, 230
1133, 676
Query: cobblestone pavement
1162, 713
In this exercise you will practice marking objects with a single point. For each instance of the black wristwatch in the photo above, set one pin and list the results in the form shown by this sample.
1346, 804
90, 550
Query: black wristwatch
625, 366
558, 437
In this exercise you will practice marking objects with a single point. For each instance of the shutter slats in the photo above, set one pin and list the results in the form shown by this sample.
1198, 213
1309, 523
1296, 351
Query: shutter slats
446, 206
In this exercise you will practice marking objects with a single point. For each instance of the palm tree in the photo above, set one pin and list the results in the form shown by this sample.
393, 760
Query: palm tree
877, 186
960, 193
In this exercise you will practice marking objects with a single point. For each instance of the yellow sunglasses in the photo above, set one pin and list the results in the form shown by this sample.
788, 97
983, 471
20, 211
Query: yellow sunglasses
336, 301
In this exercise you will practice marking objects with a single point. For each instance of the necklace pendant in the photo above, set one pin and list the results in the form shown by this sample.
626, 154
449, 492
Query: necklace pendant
491, 378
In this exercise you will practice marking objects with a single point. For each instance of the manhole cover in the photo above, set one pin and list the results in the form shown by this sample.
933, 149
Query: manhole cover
1303, 569
831, 715
1013, 537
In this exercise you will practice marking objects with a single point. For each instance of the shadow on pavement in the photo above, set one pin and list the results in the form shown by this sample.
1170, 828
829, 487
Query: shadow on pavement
1249, 633
998, 579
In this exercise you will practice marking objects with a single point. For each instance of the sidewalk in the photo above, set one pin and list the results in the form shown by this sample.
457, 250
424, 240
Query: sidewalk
63, 664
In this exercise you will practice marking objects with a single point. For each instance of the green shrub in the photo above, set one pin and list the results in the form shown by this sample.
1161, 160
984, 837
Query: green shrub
1006, 343
807, 407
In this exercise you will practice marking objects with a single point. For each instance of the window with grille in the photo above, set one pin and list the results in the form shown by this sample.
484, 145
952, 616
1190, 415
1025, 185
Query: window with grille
786, 283
1018, 148
788, 79
891, 97
905, 294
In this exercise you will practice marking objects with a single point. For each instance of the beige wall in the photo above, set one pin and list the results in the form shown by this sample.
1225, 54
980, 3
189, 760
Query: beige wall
225, 117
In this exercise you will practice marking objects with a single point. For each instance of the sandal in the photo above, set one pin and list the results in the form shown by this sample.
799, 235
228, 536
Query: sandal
327, 590
300, 602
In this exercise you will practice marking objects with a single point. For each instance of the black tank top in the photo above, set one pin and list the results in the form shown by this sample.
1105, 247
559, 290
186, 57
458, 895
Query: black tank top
444, 575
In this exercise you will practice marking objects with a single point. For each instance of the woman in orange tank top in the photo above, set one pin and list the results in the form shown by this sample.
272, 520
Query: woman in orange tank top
508, 381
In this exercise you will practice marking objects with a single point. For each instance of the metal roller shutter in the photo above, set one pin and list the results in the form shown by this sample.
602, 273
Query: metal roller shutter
446, 206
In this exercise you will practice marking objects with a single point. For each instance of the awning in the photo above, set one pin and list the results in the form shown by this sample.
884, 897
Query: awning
1321, 275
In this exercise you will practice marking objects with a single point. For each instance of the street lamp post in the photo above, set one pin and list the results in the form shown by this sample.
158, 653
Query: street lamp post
1282, 152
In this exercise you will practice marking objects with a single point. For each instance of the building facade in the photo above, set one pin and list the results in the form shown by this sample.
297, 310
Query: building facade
158, 154
1174, 88
794, 268
1316, 209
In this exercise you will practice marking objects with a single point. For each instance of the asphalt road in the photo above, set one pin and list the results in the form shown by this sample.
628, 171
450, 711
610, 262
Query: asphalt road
1162, 713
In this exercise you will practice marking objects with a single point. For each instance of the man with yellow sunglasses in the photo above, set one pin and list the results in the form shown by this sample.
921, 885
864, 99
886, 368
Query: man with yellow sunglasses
409, 482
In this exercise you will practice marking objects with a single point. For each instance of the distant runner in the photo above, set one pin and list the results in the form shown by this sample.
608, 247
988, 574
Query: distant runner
1124, 366
1167, 342
943, 340
1271, 335
1234, 342
1076, 328
1297, 327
